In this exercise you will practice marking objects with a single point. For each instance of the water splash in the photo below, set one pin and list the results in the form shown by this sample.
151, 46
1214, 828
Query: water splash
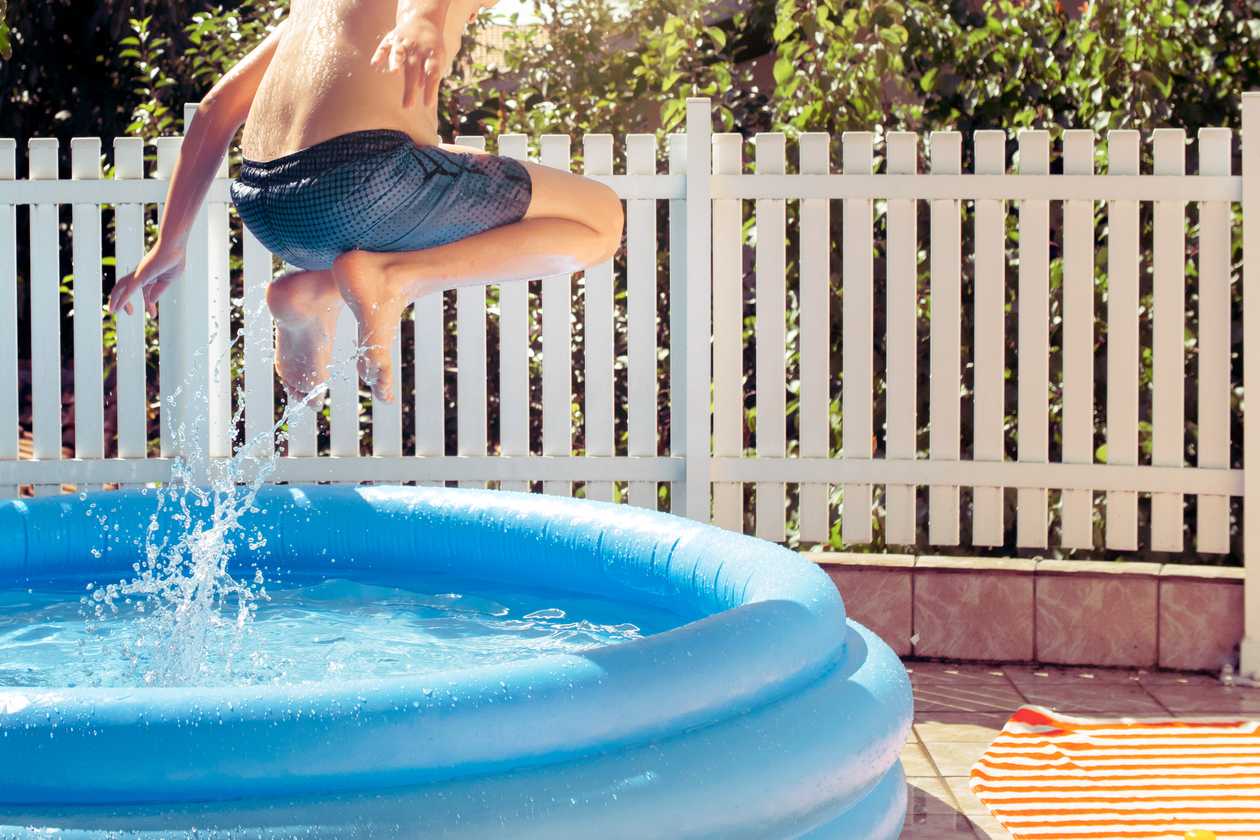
190, 611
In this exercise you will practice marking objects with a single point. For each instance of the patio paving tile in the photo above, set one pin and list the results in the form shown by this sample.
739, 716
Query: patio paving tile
930, 795
952, 673
938, 727
954, 758
1113, 698
988, 828
1221, 717
938, 827
1182, 699
964, 696
1024, 677
915, 761
960, 788
1177, 678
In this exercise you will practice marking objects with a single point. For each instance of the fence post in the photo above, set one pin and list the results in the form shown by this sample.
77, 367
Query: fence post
1250, 654
208, 325
183, 339
699, 305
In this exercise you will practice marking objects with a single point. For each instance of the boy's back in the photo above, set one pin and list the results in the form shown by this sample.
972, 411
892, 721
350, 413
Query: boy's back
320, 83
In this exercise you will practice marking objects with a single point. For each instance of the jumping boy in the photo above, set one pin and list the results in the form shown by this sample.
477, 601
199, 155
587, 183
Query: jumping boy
345, 177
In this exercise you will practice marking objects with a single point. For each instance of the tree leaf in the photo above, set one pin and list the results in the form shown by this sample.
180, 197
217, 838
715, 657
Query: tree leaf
783, 69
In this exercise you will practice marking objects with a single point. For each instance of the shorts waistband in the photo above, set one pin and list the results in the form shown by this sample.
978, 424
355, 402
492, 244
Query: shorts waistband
323, 155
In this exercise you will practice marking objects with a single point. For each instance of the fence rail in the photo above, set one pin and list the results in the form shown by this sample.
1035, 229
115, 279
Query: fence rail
686, 334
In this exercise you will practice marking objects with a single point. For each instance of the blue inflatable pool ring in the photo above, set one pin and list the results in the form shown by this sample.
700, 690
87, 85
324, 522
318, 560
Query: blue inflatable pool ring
770, 715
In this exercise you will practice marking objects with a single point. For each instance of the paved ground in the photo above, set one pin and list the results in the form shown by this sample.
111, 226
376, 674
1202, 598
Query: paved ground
960, 708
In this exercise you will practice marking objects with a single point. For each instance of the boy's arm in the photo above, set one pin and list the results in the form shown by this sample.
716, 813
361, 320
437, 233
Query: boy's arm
415, 45
219, 115
221, 112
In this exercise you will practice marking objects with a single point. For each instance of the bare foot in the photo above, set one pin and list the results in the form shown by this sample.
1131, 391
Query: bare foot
304, 305
368, 287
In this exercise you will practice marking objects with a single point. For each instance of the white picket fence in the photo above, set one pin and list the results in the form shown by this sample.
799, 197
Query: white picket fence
706, 465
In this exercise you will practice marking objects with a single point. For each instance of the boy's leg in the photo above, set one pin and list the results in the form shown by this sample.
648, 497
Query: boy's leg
572, 222
304, 305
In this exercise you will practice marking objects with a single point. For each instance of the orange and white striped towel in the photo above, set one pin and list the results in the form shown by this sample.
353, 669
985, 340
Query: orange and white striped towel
1048, 775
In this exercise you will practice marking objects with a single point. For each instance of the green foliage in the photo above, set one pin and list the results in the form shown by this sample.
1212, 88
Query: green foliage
152, 116
6, 48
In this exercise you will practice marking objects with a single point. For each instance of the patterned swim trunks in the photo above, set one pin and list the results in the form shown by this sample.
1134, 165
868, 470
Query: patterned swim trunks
375, 190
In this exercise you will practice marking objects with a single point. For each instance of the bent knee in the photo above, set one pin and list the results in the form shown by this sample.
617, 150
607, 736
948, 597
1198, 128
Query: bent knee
610, 222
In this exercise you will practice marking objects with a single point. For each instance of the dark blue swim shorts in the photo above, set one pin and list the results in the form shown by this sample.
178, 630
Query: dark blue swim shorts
375, 190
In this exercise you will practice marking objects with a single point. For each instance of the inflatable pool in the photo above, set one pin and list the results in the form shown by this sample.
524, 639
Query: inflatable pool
766, 714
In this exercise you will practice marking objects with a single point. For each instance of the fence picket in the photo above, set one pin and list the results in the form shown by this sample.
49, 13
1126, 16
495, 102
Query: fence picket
203, 322
1033, 423
45, 297
470, 354
130, 365
600, 423
1122, 339
698, 306
1077, 517
89, 392
387, 417
1249, 131
902, 342
219, 391
988, 526
641, 292
1168, 398
677, 321
771, 339
728, 326
945, 352
9, 430
170, 361
260, 404
1212, 440
815, 336
429, 313
514, 349
303, 426
858, 314
343, 388
557, 341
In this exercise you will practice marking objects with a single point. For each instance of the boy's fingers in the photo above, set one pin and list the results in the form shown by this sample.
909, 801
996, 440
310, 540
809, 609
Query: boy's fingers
121, 292
411, 79
398, 58
381, 51
155, 289
431, 78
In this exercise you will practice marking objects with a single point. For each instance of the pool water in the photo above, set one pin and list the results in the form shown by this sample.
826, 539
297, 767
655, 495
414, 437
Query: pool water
312, 631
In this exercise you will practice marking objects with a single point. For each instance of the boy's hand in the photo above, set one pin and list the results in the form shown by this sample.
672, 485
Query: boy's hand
415, 46
156, 270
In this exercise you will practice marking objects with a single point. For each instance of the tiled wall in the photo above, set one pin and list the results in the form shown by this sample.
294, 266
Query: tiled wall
1068, 612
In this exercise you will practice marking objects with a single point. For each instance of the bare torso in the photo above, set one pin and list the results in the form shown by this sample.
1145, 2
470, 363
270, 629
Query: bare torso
320, 83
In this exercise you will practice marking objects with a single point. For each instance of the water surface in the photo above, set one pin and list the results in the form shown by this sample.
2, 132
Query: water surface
313, 631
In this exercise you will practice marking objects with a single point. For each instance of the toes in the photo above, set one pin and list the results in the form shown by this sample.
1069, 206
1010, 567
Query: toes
384, 388
375, 370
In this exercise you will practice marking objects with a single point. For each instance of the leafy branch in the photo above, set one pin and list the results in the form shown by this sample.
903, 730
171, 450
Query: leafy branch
6, 47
